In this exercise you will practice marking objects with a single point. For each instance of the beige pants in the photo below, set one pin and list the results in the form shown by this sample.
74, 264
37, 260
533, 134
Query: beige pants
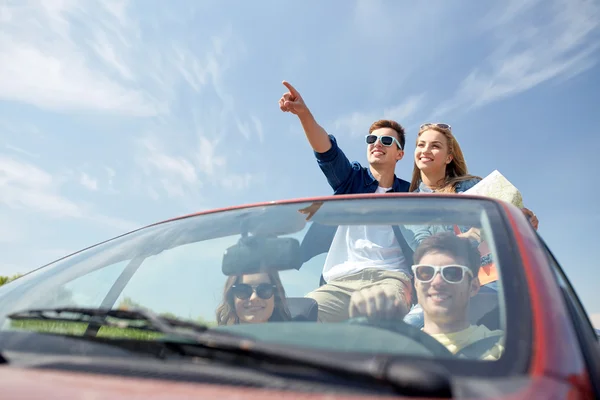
334, 297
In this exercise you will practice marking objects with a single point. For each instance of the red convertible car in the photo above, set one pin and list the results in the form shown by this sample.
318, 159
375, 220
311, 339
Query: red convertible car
377, 296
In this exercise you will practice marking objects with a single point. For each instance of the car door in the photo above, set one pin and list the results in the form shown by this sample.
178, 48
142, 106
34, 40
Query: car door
586, 334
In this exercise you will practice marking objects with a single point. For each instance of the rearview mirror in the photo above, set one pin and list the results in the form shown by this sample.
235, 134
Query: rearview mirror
254, 254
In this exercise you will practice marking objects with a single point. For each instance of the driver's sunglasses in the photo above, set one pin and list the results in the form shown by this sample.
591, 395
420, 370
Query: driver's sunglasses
450, 273
243, 291
385, 140
436, 125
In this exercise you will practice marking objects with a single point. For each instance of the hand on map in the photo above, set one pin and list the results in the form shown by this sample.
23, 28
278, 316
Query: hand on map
472, 233
532, 217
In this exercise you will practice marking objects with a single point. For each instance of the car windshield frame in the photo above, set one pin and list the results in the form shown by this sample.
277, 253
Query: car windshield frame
518, 333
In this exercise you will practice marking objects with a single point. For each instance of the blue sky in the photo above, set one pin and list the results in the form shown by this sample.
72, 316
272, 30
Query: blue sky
117, 114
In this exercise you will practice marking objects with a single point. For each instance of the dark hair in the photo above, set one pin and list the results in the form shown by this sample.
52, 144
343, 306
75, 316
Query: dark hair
449, 243
226, 314
387, 123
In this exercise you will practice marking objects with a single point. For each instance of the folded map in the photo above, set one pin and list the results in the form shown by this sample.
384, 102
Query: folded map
497, 186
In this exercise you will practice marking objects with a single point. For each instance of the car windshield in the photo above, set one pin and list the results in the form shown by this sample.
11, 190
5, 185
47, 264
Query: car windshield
363, 274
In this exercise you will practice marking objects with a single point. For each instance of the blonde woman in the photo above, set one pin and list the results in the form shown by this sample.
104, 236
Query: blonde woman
440, 167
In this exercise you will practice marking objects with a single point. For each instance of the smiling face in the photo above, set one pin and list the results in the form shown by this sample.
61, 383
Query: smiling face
432, 152
378, 154
445, 303
254, 310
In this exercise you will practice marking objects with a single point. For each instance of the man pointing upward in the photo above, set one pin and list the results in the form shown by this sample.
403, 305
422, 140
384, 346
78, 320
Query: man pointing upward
385, 148
367, 270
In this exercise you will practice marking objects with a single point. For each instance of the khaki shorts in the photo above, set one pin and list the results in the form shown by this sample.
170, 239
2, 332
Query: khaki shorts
334, 297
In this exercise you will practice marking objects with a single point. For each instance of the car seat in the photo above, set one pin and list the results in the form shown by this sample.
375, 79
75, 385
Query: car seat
491, 319
303, 309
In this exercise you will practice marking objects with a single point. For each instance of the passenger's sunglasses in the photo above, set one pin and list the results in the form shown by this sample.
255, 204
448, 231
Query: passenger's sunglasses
385, 140
243, 291
442, 126
450, 273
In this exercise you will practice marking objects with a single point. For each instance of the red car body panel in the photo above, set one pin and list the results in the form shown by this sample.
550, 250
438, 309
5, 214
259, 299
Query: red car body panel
50, 385
557, 368
554, 346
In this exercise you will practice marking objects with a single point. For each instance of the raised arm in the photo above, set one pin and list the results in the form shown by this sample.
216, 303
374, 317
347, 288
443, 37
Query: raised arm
316, 135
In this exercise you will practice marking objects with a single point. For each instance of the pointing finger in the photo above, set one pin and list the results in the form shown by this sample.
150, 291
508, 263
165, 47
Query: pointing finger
292, 90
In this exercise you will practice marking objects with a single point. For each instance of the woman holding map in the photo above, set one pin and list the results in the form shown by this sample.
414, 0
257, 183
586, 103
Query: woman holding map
440, 167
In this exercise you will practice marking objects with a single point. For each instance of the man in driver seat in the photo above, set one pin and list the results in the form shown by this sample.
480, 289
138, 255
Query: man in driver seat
446, 269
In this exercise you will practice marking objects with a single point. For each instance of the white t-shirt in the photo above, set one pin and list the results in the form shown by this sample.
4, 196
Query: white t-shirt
356, 247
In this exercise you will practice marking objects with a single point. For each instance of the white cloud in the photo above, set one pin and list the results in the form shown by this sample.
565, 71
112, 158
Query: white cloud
258, 128
240, 181
173, 167
357, 123
98, 60
247, 132
23, 186
208, 159
14, 129
180, 173
106, 50
534, 42
506, 12
207, 70
58, 74
19, 150
174, 174
244, 129
88, 182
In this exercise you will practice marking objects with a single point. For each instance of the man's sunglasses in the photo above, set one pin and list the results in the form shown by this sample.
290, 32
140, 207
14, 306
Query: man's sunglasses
243, 291
442, 126
385, 140
450, 273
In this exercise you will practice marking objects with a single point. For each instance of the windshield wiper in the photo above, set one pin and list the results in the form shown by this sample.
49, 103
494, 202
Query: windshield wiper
125, 319
197, 340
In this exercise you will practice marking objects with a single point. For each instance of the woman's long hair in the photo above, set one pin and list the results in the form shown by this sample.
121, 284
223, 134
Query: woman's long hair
456, 170
226, 314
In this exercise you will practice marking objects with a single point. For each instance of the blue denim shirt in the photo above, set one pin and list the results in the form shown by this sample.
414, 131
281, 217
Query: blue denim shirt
347, 177
460, 187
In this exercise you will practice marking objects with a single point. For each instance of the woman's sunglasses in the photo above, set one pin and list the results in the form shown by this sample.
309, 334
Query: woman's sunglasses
442, 126
243, 291
450, 273
385, 140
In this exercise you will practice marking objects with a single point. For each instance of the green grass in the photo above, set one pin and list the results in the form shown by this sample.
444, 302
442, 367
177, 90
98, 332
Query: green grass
78, 328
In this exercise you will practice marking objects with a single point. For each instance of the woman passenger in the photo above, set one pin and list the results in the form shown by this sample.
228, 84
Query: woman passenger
440, 167
253, 299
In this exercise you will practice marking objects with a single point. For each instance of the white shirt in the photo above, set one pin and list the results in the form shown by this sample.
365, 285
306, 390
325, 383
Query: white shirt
356, 247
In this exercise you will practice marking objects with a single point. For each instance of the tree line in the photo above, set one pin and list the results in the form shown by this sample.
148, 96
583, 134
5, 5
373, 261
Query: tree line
126, 303
5, 279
